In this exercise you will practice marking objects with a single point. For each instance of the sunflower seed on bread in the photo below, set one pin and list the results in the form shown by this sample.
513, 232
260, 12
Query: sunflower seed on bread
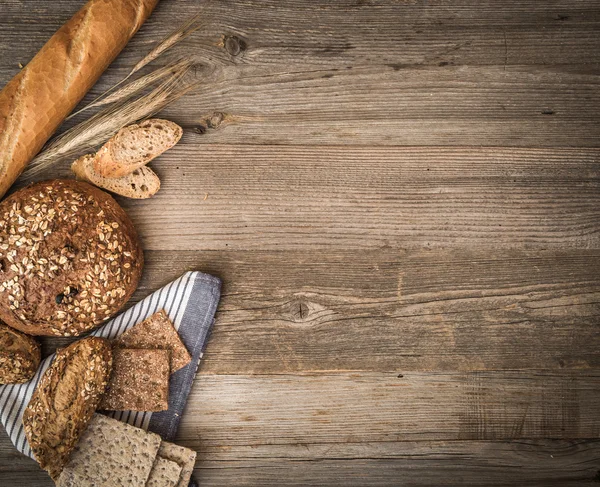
111, 454
135, 146
142, 183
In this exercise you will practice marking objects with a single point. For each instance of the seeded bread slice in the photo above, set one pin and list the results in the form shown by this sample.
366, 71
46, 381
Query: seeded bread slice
142, 183
156, 332
135, 146
139, 381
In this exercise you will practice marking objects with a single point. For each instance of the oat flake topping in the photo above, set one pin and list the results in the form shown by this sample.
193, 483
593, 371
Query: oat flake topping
69, 258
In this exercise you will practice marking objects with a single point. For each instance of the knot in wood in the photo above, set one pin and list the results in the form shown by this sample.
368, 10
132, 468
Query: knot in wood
234, 45
215, 120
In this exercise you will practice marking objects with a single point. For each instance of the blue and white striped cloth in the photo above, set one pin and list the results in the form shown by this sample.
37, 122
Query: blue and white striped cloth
191, 302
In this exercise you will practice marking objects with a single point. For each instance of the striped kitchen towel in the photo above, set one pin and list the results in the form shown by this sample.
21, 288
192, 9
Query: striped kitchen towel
191, 302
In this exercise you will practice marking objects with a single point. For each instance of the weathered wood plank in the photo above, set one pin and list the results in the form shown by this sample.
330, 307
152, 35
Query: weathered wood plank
279, 197
300, 84
481, 463
531, 462
372, 407
298, 197
349, 32
539, 463
388, 310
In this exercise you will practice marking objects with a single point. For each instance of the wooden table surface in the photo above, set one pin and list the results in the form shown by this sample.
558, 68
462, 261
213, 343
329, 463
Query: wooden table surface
403, 201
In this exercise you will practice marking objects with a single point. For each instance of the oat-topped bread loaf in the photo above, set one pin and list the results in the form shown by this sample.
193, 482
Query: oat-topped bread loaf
19, 356
69, 258
65, 400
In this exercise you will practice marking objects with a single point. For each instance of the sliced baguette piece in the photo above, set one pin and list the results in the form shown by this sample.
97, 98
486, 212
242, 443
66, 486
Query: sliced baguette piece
142, 183
135, 146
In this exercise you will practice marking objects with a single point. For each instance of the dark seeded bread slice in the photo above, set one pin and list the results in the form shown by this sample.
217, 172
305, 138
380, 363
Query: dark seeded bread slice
142, 183
135, 146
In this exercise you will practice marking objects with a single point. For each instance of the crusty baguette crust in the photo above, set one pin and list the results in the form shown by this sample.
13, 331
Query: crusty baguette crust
65, 400
36, 101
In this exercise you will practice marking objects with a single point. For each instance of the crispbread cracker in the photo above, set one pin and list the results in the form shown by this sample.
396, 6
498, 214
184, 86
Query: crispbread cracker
139, 381
111, 454
157, 331
183, 456
165, 473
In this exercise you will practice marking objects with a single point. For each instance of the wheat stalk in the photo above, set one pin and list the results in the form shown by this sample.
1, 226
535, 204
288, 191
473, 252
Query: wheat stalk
187, 28
137, 85
97, 129
190, 26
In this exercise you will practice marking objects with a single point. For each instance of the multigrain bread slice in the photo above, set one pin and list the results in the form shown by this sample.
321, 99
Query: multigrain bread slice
156, 332
111, 454
142, 183
139, 381
181, 455
165, 473
19, 356
135, 146
65, 400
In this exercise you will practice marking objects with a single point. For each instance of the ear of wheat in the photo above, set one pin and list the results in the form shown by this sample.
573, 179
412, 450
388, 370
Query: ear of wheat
137, 85
189, 27
183, 31
97, 129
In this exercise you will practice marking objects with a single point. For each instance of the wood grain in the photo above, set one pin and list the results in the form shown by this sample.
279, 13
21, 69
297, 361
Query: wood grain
402, 199
279, 197
356, 73
474, 463
389, 310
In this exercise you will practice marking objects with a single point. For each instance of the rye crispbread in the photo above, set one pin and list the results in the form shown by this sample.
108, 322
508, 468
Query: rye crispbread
111, 453
165, 473
183, 456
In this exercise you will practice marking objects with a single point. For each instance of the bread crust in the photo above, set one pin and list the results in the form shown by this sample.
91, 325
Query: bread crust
36, 101
65, 400
142, 183
19, 356
106, 161
70, 258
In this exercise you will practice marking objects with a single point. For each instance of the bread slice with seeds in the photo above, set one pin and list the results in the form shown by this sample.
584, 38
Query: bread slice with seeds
135, 146
142, 183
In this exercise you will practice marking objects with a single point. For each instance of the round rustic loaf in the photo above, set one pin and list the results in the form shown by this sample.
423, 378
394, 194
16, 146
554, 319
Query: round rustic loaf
69, 258
19, 356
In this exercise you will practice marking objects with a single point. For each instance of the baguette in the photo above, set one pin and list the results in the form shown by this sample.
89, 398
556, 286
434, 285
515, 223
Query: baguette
36, 101
140, 184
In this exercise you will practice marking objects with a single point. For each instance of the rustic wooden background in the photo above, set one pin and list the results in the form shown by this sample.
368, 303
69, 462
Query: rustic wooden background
403, 201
